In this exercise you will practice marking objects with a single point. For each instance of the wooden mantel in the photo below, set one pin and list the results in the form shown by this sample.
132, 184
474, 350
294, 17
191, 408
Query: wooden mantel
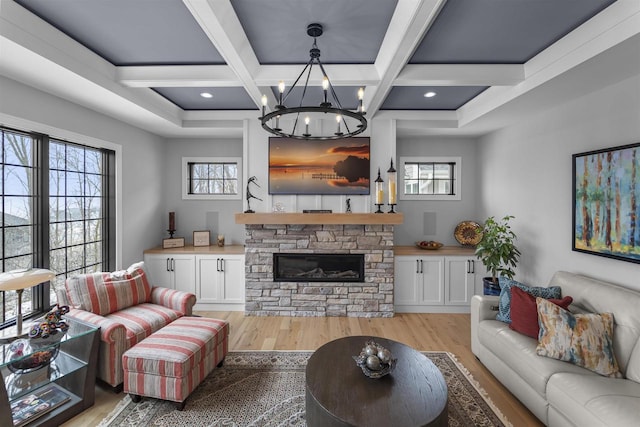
318, 218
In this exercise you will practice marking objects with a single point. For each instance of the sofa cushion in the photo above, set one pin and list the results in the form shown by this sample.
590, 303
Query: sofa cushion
504, 307
589, 400
583, 339
524, 312
596, 296
142, 320
518, 352
104, 293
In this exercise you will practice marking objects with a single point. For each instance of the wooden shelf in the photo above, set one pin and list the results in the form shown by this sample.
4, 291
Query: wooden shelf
319, 218
443, 251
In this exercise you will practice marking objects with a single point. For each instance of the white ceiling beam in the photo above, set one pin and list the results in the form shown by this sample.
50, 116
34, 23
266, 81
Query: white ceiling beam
221, 115
218, 20
460, 75
340, 74
63, 67
177, 76
409, 23
616, 24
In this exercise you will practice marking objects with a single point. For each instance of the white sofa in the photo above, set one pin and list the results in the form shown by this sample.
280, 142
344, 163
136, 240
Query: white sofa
560, 393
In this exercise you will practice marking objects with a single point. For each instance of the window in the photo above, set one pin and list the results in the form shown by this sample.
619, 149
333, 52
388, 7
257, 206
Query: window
429, 178
211, 178
57, 213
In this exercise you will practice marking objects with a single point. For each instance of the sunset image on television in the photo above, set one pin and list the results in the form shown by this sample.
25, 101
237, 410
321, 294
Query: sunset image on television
336, 167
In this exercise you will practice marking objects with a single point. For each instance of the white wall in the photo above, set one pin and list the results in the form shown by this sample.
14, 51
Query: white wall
217, 216
140, 176
442, 215
526, 171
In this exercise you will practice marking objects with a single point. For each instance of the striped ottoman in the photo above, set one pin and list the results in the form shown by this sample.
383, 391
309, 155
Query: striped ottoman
170, 363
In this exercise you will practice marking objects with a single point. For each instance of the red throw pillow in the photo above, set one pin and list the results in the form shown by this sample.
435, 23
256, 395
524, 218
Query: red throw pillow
524, 313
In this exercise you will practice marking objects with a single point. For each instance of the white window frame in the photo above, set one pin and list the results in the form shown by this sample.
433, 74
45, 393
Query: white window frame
457, 182
185, 178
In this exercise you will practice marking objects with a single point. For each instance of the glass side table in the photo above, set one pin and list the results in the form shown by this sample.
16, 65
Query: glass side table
59, 374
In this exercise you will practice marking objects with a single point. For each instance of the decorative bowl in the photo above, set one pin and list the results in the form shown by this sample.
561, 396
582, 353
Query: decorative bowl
375, 360
429, 245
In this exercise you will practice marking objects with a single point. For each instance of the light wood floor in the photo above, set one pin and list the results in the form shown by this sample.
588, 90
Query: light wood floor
435, 332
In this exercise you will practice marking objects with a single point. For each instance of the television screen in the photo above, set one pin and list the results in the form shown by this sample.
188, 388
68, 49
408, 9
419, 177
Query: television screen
331, 167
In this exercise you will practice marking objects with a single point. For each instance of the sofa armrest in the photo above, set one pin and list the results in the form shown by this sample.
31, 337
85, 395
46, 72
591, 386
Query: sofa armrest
111, 331
483, 307
177, 300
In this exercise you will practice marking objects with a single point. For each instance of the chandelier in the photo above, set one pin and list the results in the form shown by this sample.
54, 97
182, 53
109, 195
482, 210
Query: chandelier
347, 123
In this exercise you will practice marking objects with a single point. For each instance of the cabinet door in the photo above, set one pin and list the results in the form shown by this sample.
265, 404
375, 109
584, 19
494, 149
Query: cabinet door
432, 272
158, 269
459, 280
407, 275
184, 273
208, 288
232, 278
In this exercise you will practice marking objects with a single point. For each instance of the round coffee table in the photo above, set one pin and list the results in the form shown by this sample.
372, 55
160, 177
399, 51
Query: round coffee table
339, 394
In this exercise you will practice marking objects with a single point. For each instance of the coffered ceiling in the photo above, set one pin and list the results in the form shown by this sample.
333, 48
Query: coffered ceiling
148, 62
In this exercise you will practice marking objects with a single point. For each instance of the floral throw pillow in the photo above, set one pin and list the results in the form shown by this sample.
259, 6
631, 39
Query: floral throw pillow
582, 339
504, 307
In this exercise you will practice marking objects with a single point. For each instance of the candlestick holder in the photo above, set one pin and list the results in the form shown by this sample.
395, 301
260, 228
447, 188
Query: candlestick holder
391, 210
171, 232
379, 205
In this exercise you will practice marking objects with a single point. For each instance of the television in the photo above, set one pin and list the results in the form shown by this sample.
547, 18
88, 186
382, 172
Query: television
323, 167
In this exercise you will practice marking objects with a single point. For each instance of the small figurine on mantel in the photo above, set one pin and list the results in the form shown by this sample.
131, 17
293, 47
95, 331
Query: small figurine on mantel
348, 210
250, 196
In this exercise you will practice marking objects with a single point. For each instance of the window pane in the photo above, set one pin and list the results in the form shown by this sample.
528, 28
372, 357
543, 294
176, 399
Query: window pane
57, 183
217, 186
92, 185
57, 236
17, 240
231, 187
17, 210
56, 155
200, 187
75, 257
93, 207
18, 180
94, 230
230, 171
56, 209
425, 171
93, 161
75, 183
57, 260
17, 149
17, 263
94, 253
75, 158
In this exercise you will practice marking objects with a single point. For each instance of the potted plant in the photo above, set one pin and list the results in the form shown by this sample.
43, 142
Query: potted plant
497, 252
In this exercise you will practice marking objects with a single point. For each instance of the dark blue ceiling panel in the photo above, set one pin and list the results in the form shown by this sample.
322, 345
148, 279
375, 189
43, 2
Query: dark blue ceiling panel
126, 32
277, 30
500, 31
223, 98
347, 95
446, 97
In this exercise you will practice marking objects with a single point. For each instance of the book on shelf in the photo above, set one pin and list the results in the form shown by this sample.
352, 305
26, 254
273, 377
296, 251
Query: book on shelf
37, 403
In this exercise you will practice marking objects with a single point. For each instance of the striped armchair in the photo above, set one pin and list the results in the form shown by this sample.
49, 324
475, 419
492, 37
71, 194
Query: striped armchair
126, 308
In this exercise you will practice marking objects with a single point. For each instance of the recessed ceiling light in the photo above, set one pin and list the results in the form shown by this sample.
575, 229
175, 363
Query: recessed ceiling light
429, 94
206, 95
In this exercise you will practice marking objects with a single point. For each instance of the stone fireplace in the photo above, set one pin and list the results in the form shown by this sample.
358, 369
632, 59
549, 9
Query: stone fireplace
319, 247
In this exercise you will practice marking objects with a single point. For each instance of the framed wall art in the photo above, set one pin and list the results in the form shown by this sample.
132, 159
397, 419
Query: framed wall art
606, 202
331, 167
201, 238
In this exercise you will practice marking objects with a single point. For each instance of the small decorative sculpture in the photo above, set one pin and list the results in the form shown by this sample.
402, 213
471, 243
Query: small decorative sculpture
375, 360
348, 206
250, 196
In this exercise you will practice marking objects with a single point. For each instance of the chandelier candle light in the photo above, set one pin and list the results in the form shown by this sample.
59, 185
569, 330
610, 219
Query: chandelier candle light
392, 175
349, 123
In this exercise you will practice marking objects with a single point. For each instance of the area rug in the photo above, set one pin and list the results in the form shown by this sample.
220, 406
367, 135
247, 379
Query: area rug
267, 389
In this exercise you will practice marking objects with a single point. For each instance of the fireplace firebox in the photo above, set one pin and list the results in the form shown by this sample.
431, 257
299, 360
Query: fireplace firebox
289, 267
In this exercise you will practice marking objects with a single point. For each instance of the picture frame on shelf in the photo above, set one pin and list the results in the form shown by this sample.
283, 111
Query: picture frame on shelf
606, 194
202, 238
174, 242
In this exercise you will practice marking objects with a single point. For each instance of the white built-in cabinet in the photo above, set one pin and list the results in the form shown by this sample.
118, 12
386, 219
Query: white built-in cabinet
434, 282
220, 280
173, 271
215, 275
